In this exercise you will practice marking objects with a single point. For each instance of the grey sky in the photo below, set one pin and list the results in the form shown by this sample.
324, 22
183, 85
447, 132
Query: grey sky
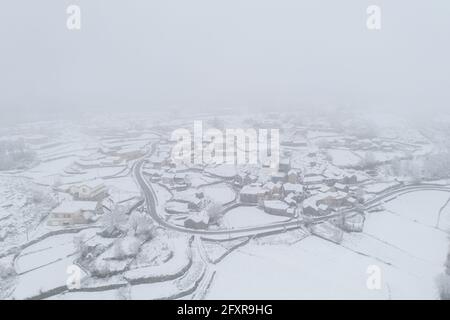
145, 54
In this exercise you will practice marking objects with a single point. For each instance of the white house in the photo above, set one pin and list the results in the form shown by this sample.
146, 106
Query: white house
293, 188
94, 190
198, 220
73, 212
276, 207
252, 193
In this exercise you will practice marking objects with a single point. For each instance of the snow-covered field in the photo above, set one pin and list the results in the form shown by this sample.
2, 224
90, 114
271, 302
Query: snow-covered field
221, 193
380, 186
42, 267
344, 158
242, 217
406, 238
422, 207
409, 253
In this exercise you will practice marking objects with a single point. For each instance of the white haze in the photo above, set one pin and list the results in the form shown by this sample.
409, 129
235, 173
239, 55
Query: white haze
211, 54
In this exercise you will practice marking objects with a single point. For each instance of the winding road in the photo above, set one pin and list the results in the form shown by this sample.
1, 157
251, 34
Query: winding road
150, 200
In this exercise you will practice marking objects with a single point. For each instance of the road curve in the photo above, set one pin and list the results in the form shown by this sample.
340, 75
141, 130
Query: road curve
150, 200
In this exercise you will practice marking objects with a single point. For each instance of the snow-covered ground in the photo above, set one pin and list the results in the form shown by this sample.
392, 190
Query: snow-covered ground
422, 207
380, 186
344, 158
242, 217
406, 238
221, 193
42, 267
409, 253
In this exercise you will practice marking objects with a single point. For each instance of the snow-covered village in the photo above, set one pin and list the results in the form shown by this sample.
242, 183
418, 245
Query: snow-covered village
233, 158
98, 208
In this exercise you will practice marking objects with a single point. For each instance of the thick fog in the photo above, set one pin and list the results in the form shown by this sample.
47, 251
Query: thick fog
211, 54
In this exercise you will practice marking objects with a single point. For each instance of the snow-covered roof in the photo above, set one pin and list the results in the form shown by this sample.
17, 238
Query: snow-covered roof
340, 186
176, 206
310, 202
276, 204
313, 179
252, 189
75, 206
199, 217
93, 184
293, 187
279, 174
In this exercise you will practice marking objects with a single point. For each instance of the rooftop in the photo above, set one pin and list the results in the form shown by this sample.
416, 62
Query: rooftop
75, 206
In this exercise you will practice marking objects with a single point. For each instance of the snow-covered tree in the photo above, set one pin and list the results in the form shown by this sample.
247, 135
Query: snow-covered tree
124, 293
15, 154
6, 271
214, 210
368, 161
114, 222
443, 282
141, 225
126, 247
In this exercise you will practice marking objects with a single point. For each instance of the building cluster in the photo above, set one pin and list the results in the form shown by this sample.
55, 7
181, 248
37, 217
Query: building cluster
290, 193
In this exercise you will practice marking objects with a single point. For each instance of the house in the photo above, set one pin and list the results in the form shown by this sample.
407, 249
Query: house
324, 189
180, 178
194, 200
291, 200
94, 190
323, 209
295, 188
276, 207
314, 179
278, 177
176, 207
273, 188
310, 207
181, 186
74, 212
198, 220
341, 187
310, 210
293, 176
315, 206
293, 212
284, 165
157, 162
252, 193
350, 179
332, 199
241, 179
354, 223
352, 201
168, 178
155, 177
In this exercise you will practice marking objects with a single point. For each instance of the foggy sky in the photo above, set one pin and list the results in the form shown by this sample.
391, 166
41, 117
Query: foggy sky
209, 54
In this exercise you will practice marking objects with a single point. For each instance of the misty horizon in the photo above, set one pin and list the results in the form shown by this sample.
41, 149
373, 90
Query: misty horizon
205, 56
